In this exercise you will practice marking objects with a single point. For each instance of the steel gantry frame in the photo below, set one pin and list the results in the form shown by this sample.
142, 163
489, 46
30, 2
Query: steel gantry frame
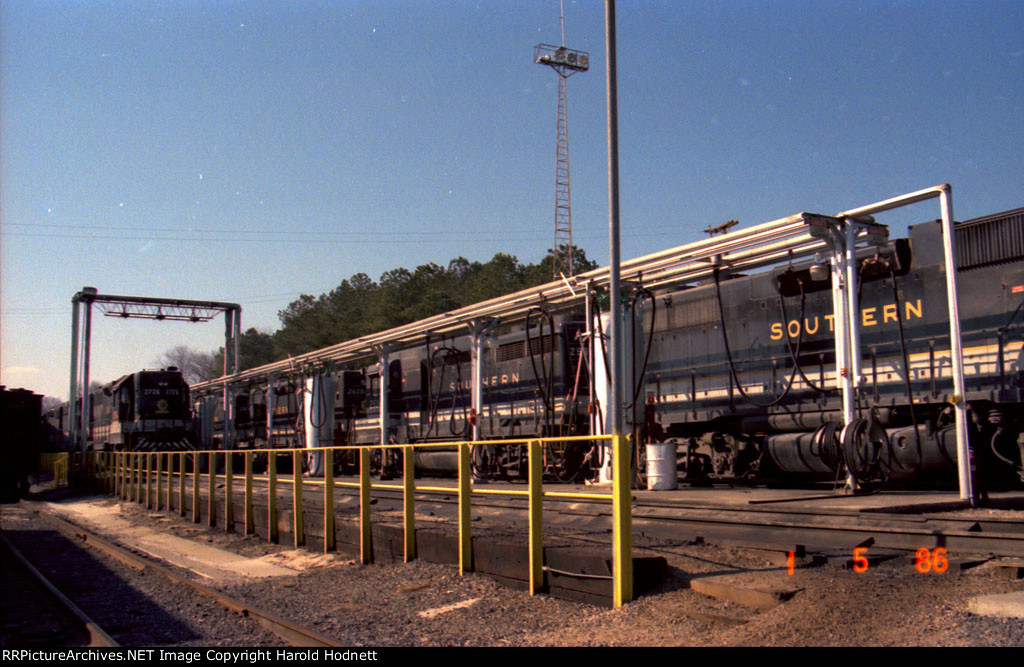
138, 307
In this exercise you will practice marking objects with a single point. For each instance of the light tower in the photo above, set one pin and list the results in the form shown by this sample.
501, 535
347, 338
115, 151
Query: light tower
565, 62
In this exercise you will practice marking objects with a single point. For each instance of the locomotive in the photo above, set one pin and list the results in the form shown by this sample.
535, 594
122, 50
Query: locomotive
535, 385
145, 411
738, 372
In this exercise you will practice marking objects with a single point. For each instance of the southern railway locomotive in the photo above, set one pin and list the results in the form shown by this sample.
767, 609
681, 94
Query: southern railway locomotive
738, 371
741, 370
143, 411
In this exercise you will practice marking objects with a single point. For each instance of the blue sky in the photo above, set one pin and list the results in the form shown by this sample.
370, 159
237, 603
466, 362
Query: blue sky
254, 151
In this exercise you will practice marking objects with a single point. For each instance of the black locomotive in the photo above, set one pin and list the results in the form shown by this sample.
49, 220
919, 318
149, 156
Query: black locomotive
144, 411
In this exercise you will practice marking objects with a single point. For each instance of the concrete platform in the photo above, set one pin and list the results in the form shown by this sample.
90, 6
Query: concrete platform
1007, 605
210, 562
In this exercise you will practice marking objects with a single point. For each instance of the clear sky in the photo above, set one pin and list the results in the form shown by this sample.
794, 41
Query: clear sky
254, 151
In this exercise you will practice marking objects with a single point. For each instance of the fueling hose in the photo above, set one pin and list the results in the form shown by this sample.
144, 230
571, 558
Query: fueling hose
862, 446
795, 353
733, 375
545, 378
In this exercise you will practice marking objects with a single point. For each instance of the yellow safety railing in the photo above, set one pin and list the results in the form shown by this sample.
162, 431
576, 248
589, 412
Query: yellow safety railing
58, 463
128, 475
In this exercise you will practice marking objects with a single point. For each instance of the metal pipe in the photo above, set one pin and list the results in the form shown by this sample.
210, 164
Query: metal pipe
558, 293
237, 336
86, 352
589, 351
382, 356
853, 304
956, 348
945, 194
478, 334
614, 267
73, 388
269, 400
786, 237
227, 441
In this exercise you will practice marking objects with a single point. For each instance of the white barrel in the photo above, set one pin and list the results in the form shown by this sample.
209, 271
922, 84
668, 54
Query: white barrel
661, 466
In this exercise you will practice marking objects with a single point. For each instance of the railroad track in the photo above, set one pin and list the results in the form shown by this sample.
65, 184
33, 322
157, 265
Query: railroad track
762, 527
773, 526
36, 613
283, 629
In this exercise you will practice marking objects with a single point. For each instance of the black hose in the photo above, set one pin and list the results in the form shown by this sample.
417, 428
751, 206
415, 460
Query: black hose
650, 337
906, 367
604, 348
863, 443
733, 375
795, 353
544, 378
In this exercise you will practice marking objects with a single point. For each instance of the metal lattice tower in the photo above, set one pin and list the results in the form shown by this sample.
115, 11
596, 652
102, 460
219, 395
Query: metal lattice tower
565, 62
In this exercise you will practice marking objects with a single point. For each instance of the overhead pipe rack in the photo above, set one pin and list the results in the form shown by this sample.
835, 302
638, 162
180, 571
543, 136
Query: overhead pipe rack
754, 247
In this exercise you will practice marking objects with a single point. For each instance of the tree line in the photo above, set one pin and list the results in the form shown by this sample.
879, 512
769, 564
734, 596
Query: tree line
361, 306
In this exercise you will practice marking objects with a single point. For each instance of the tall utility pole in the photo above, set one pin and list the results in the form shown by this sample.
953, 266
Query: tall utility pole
565, 62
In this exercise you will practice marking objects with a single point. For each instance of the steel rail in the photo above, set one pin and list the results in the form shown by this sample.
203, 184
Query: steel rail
921, 531
97, 636
426, 493
290, 632
966, 534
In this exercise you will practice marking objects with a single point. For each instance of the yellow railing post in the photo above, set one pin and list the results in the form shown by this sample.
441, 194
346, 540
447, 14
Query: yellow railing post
329, 536
147, 503
181, 481
211, 501
408, 501
229, 510
297, 530
465, 536
131, 459
622, 521
159, 481
195, 487
536, 543
365, 533
250, 523
272, 497
170, 481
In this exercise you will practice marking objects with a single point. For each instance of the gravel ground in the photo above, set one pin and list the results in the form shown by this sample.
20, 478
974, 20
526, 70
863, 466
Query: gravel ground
425, 604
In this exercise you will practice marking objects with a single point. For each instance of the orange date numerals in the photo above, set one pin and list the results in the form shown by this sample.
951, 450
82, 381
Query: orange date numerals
860, 563
789, 563
931, 561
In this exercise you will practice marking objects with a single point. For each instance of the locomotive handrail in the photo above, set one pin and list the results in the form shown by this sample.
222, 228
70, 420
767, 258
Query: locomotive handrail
129, 476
